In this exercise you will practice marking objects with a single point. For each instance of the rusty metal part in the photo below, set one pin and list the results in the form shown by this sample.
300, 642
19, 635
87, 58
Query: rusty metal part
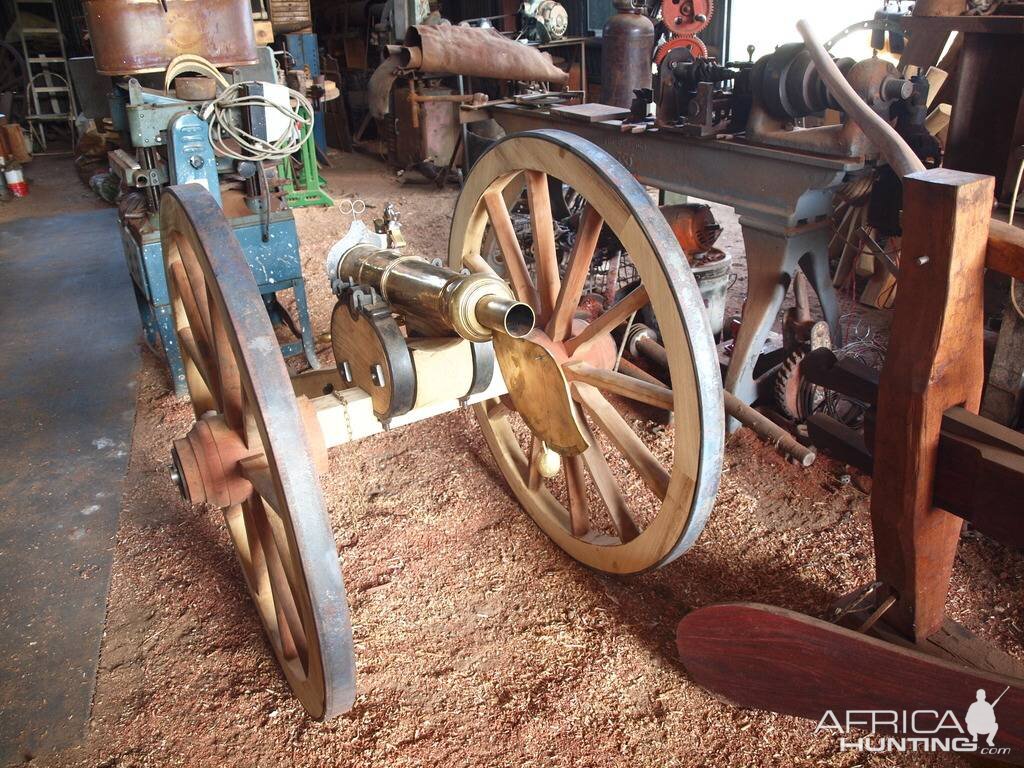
289, 15
694, 45
694, 226
796, 397
478, 53
436, 298
627, 45
459, 51
861, 112
134, 36
687, 17
787, 85
415, 99
192, 88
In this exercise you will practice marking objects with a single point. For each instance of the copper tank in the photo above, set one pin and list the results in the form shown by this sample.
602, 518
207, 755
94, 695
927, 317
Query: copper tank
134, 36
626, 52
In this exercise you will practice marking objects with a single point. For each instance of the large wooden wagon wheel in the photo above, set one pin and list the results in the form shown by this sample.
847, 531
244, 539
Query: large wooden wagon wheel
249, 417
622, 465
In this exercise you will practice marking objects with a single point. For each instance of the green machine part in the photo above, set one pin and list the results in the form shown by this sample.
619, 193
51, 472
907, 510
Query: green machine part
309, 189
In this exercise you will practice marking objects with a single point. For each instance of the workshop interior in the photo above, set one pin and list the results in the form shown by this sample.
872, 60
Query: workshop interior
512, 382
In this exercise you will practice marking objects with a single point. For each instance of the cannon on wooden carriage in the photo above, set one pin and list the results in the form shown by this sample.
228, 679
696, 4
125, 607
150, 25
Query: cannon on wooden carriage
414, 339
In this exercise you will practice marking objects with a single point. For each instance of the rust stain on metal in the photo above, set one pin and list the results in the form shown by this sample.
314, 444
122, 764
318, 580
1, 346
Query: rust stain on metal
135, 36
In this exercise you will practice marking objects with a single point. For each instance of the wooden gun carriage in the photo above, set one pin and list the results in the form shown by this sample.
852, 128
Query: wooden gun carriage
556, 406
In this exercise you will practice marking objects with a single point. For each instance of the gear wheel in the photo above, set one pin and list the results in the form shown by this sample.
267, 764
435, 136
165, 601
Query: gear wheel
694, 44
797, 398
681, 16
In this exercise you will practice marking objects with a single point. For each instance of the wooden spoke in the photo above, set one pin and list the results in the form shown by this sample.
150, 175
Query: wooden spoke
505, 233
632, 369
543, 225
534, 478
609, 490
644, 530
199, 360
620, 384
610, 320
196, 321
559, 326
476, 263
575, 483
229, 381
197, 281
499, 407
256, 470
289, 622
610, 422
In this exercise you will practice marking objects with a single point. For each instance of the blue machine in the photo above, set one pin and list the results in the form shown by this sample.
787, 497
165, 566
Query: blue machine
172, 146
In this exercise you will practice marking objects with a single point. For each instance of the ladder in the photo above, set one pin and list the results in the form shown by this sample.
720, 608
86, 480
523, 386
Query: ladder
50, 97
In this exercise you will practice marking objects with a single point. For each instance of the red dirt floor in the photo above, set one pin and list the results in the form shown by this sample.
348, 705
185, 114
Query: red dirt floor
478, 642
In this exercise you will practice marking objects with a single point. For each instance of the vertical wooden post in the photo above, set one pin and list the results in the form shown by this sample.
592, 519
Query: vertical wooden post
934, 361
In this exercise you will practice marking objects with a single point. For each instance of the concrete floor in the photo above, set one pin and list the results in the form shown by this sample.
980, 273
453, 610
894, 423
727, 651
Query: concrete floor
67, 402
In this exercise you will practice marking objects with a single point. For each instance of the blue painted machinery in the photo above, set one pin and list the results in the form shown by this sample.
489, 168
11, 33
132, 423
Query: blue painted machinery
172, 141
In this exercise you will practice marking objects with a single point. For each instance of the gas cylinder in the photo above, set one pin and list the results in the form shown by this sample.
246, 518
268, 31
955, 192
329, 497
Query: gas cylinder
626, 52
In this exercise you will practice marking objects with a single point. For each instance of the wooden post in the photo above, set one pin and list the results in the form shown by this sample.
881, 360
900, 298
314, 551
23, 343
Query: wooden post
935, 361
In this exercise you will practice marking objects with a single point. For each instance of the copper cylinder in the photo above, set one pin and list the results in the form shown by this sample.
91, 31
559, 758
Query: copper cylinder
626, 50
130, 37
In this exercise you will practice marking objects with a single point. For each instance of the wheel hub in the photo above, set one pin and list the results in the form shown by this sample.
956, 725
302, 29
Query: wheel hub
206, 464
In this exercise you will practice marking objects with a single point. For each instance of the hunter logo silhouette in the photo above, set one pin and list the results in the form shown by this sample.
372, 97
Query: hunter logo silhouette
981, 717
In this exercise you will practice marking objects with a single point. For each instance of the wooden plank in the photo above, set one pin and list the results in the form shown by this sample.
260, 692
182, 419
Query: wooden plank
763, 657
1003, 401
591, 113
979, 475
1005, 251
925, 42
935, 361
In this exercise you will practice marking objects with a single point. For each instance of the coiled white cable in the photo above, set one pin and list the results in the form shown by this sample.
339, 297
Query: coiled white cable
224, 128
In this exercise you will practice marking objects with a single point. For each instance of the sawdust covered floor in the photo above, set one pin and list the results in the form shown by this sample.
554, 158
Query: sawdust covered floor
478, 642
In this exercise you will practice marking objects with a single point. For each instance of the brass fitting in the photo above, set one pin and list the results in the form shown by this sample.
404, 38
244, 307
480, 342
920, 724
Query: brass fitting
474, 306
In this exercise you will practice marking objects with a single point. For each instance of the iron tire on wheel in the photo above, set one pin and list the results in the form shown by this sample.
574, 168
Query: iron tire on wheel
239, 383
687, 489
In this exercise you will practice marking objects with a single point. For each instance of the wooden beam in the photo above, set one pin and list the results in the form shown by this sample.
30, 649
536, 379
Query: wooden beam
935, 361
1005, 252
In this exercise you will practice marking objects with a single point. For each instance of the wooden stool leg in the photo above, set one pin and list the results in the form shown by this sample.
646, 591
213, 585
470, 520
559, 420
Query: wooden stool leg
934, 361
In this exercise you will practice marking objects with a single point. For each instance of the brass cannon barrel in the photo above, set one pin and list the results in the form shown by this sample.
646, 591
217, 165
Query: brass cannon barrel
474, 306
